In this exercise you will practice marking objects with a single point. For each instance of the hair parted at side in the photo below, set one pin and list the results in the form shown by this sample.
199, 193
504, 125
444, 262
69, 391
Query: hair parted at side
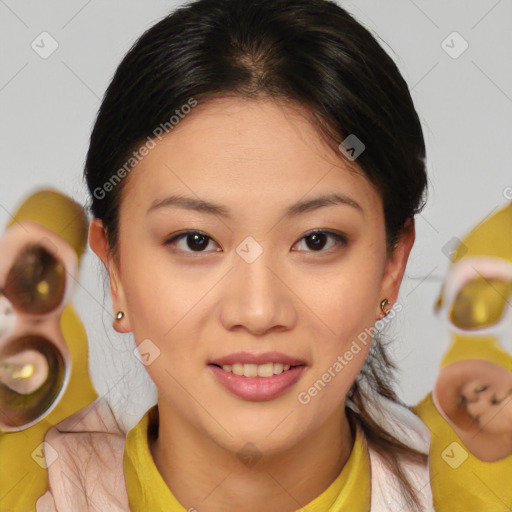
309, 52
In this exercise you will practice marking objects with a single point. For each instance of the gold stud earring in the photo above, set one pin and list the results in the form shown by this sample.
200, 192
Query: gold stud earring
120, 315
383, 304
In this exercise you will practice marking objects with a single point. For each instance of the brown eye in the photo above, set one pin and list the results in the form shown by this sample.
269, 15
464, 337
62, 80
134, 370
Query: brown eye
196, 241
317, 240
36, 282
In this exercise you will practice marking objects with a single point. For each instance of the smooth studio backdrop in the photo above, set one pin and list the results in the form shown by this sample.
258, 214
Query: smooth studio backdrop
455, 56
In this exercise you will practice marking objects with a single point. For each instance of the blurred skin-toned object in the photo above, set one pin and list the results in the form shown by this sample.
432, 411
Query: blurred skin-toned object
469, 411
44, 374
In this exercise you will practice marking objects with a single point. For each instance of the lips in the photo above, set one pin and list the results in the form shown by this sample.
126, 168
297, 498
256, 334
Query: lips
256, 389
258, 359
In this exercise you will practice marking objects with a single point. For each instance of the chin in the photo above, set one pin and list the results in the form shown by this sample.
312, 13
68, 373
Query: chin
256, 445
262, 437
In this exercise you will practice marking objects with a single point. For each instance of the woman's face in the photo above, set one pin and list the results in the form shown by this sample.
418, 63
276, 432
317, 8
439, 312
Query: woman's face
249, 277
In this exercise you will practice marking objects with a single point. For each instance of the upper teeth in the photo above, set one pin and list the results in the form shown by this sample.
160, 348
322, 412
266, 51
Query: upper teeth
256, 370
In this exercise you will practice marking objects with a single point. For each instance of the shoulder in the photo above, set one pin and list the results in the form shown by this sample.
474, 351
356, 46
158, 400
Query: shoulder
84, 460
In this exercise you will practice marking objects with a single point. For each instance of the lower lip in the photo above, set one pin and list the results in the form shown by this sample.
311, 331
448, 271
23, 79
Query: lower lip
257, 388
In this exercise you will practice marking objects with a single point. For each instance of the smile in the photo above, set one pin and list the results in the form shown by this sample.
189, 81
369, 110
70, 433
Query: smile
257, 382
256, 370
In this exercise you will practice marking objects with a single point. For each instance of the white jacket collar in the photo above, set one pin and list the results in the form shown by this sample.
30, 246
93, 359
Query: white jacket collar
397, 419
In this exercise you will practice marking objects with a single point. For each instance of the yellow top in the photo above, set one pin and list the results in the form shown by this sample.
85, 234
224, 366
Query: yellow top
460, 481
147, 491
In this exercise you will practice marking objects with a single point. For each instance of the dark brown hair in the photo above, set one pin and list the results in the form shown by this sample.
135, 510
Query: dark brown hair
311, 52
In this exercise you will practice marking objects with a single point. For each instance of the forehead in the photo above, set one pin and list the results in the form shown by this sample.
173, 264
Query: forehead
231, 149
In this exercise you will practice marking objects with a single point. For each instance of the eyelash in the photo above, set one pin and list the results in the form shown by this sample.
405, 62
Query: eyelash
339, 238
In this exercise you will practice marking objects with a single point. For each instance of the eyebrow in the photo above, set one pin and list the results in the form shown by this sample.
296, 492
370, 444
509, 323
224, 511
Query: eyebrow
299, 208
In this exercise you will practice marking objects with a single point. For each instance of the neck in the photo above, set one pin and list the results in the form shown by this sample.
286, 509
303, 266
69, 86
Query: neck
283, 482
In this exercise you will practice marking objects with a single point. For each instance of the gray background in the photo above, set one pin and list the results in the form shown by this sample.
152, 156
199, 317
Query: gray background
465, 104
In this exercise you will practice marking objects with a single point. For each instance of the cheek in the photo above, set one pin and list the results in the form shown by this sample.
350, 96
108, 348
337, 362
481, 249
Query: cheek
150, 303
346, 305
155, 299
163, 305
348, 299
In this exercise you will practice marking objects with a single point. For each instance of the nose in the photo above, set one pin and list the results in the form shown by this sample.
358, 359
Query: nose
258, 296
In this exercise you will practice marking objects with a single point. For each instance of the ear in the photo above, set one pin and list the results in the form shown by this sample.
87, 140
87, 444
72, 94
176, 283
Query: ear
396, 263
99, 244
